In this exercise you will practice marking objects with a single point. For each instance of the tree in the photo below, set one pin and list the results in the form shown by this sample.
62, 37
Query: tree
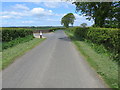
98, 11
113, 19
84, 24
68, 19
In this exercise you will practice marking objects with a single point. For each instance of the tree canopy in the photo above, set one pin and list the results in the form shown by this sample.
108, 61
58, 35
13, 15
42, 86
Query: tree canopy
83, 24
68, 19
103, 13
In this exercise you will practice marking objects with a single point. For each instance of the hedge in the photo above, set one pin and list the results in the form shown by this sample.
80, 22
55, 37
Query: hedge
57, 28
9, 34
16, 41
108, 37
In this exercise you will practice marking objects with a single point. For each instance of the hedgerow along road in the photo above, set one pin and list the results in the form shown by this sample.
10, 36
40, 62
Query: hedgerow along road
55, 63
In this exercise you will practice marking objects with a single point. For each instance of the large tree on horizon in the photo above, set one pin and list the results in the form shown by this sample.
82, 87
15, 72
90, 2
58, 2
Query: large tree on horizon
100, 12
68, 19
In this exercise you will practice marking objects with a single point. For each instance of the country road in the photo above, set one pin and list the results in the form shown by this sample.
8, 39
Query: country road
55, 63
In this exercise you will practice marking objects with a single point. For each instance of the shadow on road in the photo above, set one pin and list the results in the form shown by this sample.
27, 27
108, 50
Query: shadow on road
64, 38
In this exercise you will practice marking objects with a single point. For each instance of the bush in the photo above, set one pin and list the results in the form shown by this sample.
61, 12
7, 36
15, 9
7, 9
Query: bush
0, 35
12, 43
57, 28
9, 34
80, 32
108, 37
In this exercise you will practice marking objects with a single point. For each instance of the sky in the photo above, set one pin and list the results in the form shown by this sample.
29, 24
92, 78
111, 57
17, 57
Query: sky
38, 14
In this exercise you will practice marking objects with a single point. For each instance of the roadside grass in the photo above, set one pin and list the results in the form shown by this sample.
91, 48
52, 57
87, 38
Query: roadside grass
16, 41
0, 60
9, 55
0, 55
0, 46
104, 66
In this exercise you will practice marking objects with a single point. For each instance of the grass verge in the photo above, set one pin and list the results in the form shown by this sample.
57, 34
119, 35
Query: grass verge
10, 54
16, 41
101, 62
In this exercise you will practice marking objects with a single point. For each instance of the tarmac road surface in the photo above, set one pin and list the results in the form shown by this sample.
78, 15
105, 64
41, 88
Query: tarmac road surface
55, 63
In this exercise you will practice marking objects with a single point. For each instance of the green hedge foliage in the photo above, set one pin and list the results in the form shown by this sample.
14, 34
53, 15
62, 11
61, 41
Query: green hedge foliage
57, 28
108, 37
9, 34
12, 43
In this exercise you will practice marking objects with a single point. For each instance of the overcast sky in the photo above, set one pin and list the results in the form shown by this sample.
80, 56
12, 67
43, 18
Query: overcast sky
38, 13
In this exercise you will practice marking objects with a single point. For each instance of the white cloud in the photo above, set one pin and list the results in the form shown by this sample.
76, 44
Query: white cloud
53, 20
57, 4
38, 15
27, 22
38, 12
5, 17
16, 13
13, 14
20, 6
51, 4
77, 16
82, 19
31, 0
41, 12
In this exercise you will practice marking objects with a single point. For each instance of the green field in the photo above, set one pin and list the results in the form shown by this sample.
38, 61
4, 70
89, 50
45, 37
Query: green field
0, 46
